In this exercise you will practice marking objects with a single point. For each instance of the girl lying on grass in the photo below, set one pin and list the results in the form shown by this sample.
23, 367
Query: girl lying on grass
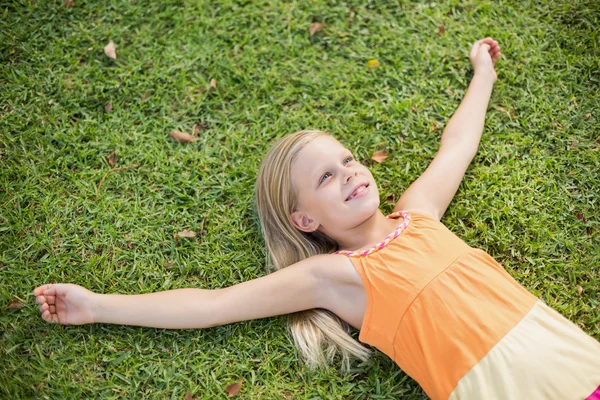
448, 314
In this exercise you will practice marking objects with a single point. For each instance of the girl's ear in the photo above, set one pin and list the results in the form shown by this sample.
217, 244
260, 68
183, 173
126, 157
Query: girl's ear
303, 222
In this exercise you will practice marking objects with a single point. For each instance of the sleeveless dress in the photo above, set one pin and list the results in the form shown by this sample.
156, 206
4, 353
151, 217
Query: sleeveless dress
456, 322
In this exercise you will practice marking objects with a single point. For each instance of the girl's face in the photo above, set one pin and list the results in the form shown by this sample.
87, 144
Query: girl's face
334, 192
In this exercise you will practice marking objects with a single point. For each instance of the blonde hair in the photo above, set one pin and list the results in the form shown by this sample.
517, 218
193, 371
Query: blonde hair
318, 334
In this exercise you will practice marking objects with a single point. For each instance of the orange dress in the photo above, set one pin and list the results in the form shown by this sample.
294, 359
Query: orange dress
455, 321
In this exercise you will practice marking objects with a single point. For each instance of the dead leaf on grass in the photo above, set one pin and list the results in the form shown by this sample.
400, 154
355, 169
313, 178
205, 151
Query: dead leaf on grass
316, 27
186, 234
233, 389
373, 64
580, 216
579, 289
68, 3
108, 107
587, 116
112, 159
441, 29
14, 305
213, 84
110, 50
182, 137
379, 156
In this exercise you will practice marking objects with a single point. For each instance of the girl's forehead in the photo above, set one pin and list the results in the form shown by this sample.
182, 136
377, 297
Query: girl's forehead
322, 146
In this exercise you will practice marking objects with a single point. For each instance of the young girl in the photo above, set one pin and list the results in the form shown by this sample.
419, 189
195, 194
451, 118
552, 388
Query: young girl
446, 313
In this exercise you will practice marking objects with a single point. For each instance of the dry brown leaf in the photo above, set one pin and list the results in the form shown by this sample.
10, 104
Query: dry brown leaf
182, 137
195, 130
108, 107
68, 3
186, 234
112, 159
188, 396
167, 264
580, 217
574, 144
587, 116
390, 199
145, 97
379, 156
110, 50
579, 289
131, 246
233, 389
441, 29
316, 27
14, 304
213, 84
413, 109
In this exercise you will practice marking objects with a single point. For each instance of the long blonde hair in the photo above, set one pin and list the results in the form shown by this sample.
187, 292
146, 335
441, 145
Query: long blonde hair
318, 334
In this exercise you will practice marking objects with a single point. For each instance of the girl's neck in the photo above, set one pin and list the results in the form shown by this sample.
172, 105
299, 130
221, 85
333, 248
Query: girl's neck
368, 233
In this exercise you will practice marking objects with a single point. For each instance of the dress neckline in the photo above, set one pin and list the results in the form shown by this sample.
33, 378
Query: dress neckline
405, 221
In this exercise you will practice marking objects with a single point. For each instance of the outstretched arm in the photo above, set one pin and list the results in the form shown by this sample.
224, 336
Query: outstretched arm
435, 188
295, 288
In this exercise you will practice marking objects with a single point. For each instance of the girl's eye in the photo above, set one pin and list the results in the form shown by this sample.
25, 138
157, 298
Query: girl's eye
347, 159
325, 176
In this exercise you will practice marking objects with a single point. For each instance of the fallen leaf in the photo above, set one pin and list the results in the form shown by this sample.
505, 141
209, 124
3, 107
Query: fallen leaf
14, 304
390, 199
213, 84
68, 3
350, 17
413, 109
108, 107
233, 389
182, 137
195, 130
186, 234
574, 144
373, 64
379, 156
587, 116
441, 29
112, 159
110, 50
131, 246
188, 396
499, 108
316, 27
167, 264
127, 235
145, 97
579, 289
580, 217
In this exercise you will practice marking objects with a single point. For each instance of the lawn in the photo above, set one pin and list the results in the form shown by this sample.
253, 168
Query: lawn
530, 198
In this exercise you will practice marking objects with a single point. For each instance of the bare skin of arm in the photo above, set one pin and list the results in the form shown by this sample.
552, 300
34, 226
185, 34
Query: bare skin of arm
433, 191
295, 288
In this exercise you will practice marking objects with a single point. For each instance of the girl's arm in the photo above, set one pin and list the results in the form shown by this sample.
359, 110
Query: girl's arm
434, 190
295, 288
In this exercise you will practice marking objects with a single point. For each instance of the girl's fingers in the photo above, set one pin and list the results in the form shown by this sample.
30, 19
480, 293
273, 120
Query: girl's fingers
51, 299
40, 299
52, 309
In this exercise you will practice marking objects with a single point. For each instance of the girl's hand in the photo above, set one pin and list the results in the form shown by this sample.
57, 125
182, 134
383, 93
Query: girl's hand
66, 304
483, 55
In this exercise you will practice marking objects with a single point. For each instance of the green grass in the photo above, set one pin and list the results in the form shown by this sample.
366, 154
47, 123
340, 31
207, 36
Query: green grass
530, 198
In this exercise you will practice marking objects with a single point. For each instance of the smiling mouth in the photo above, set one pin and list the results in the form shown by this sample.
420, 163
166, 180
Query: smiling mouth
357, 191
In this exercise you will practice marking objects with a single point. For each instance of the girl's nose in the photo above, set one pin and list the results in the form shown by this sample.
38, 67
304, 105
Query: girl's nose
350, 175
